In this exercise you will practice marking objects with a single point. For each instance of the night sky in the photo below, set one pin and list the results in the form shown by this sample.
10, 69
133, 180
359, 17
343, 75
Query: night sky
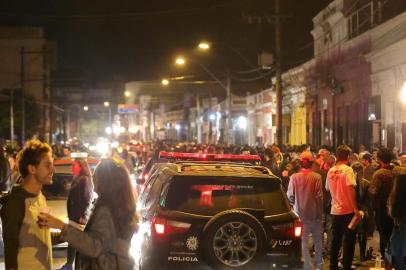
138, 40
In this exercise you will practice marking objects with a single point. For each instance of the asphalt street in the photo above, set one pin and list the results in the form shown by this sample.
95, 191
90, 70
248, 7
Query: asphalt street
60, 257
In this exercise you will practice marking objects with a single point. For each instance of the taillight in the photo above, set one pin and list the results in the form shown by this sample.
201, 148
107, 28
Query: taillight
290, 230
297, 229
161, 226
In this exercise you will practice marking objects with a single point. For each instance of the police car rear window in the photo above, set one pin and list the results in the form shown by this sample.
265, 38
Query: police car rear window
211, 195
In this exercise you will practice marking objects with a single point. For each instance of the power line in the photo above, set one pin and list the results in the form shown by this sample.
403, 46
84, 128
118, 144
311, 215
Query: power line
124, 15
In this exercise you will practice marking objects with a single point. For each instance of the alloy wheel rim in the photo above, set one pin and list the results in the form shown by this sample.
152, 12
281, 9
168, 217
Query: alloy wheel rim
235, 244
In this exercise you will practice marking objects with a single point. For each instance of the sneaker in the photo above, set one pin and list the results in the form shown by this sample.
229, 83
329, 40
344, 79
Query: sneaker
66, 266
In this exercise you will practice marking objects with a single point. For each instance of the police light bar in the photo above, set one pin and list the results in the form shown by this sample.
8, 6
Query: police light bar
78, 155
207, 157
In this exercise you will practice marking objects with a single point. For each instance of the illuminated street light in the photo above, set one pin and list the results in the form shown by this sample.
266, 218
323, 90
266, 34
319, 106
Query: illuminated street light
403, 93
133, 129
109, 130
165, 81
212, 117
178, 127
85, 108
242, 122
127, 93
204, 45
180, 61
106, 104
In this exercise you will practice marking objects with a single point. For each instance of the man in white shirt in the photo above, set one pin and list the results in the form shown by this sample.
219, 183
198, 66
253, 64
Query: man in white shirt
341, 183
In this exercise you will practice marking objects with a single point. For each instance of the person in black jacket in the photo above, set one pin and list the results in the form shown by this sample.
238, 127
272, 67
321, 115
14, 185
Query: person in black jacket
79, 201
5, 171
28, 245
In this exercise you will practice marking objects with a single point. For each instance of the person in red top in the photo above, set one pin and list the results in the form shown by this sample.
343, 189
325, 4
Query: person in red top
341, 183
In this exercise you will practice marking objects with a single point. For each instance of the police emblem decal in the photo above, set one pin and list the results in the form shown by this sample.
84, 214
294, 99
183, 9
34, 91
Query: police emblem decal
192, 243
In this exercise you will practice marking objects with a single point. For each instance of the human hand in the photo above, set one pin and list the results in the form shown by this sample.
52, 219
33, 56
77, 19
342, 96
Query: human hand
48, 221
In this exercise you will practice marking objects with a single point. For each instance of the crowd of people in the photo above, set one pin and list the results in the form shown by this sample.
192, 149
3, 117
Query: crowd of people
341, 196
346, 195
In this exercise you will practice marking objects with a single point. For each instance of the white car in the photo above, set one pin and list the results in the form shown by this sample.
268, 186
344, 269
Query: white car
57, 193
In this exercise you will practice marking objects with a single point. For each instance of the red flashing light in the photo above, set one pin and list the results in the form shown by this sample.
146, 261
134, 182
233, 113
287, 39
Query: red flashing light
204, 157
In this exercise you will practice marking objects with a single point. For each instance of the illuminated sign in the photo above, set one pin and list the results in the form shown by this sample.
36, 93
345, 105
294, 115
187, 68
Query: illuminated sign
127, 108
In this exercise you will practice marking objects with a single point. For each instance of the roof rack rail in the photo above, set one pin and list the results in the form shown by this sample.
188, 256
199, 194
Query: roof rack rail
181, 165
208, 157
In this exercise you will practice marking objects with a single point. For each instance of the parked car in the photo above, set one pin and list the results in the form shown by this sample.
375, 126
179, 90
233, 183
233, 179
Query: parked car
57, 193
216, 215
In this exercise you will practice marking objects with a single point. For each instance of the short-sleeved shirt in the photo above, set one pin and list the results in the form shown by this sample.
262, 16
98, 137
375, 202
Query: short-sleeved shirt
305, 192
341, 182
35, 245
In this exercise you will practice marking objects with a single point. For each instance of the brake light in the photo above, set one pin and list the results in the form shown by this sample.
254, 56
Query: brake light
161, 226
297, 229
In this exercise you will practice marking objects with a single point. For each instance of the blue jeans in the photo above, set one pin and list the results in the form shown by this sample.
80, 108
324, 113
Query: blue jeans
315, 228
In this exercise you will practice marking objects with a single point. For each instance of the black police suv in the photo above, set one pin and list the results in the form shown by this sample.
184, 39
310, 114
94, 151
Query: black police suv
213, 215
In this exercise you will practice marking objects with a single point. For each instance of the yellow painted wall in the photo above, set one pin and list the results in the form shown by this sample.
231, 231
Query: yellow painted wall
298, 125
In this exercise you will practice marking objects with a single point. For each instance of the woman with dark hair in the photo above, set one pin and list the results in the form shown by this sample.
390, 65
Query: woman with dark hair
397, 210
79, 200
105, 241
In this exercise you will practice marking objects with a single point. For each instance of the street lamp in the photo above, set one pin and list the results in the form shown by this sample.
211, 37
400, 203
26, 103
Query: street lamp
127, 93
180, 61
204, 45
85, 108
165, 82
106, 104
242, 122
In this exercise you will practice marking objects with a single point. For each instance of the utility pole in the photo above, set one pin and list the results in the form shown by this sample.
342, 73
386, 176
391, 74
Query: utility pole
278, 75
199, 131
22, 96
12, 117
229, 105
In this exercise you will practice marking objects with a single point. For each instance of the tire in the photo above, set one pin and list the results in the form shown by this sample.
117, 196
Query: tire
233, 239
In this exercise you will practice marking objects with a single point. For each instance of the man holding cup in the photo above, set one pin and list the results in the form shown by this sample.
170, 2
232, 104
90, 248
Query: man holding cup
26, 244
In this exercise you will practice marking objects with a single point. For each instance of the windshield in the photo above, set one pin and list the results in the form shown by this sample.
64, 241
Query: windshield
211, 195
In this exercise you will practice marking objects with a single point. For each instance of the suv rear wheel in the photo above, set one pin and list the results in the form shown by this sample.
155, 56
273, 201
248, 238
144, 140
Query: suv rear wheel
232, 240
